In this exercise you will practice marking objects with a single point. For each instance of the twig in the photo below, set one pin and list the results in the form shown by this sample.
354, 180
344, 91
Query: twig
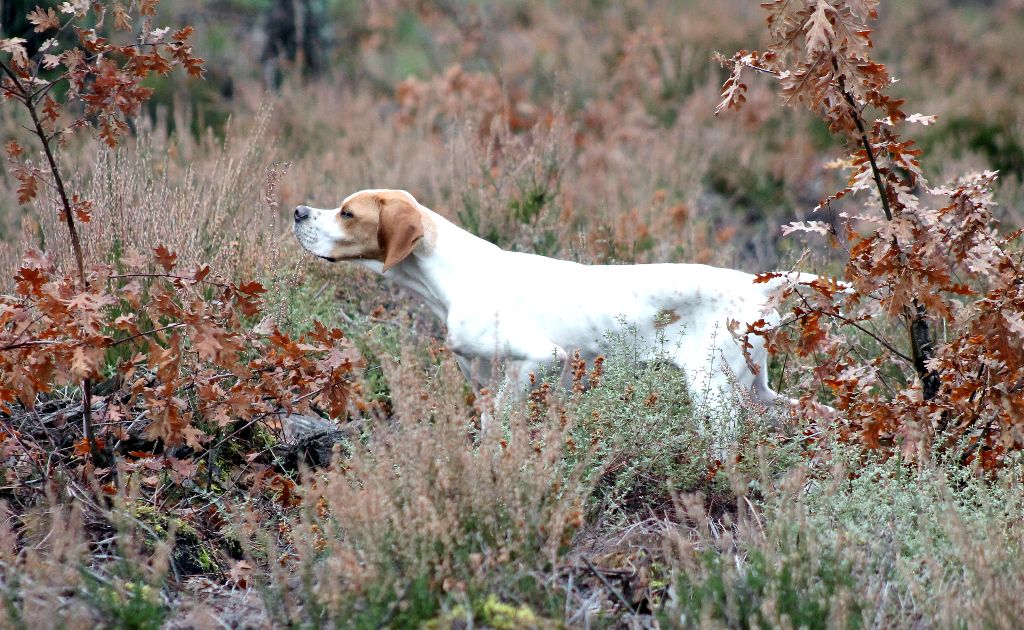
50, 342
90, 436
27, 344
859, 121
172, 276
145, 333
14, 77
76, 244
28, 453
608, 585
920, 333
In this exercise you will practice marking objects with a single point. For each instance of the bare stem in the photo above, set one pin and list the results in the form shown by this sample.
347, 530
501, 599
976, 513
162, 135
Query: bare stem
76, 244
69, 217
920, 331
869, 150
90, 434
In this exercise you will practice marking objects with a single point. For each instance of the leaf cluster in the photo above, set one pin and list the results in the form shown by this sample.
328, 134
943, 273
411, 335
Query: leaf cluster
176, 350
103, 78
919, 346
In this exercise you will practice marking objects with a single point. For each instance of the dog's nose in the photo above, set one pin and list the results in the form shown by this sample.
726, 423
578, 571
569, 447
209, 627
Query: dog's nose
301, 213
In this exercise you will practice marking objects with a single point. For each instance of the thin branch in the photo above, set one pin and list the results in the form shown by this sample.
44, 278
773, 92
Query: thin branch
15, 434
608, 585
13, 94
26, 328
920, 331
29, 344
888, 346
38, 174
76, 246
13, 76
69, 218
90, 434
859, 121
144, 334
49, 86
51, 342
172, 276
38, 57
867, 332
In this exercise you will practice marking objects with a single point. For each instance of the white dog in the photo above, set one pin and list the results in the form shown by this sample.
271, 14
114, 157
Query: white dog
530, 313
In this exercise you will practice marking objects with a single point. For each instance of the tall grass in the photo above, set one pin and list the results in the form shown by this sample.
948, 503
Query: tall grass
55, 573
421, 518
544, 133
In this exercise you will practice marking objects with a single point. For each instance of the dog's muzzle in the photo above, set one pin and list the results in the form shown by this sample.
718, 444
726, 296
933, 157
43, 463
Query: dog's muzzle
302, 214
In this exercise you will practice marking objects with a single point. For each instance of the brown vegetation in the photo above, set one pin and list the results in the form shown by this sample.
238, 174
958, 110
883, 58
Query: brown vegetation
152, 385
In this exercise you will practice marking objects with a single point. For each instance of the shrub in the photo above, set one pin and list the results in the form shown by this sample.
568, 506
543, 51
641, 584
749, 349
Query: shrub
420, 519
863, 541
937, 270
49, 576
643, 434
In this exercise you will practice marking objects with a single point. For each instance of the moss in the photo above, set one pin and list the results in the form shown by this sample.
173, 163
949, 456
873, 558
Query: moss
184, 532
191, 553
502, 616
491, 613
151, 517
206, 560
262, 438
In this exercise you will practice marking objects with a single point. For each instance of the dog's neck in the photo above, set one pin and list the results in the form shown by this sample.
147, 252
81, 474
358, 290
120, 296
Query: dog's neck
437, 269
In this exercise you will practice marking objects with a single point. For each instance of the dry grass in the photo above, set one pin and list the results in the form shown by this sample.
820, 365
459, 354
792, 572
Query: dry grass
151, 192
79, 563
584, 132
423, 516
889, 545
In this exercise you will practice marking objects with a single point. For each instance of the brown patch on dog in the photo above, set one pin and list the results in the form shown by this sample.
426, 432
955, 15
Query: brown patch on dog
383, 225
666, 317
361, 227
399, 228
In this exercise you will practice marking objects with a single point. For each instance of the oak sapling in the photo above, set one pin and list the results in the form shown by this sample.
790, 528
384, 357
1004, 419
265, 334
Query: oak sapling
937, 288
103, 89
177, 347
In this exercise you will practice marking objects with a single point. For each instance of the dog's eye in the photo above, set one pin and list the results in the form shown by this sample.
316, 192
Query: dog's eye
345, 214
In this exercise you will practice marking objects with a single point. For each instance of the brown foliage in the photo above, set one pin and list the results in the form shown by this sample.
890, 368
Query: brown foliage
187, 358
175, 349
935, 266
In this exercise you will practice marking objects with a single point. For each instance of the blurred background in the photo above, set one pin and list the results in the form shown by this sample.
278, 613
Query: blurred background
583, 130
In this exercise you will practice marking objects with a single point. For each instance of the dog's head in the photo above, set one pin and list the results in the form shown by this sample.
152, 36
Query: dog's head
382, 225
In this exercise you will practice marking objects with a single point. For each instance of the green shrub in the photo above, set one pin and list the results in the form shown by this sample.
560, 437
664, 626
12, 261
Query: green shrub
645, 435
419, 519
852, 541
770, 588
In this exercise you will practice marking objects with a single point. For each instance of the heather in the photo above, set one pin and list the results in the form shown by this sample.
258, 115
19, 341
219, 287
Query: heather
201, 426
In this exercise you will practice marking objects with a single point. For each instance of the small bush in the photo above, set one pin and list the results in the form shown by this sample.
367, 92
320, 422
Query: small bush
49, 578
419, 519
864, 542
645, 435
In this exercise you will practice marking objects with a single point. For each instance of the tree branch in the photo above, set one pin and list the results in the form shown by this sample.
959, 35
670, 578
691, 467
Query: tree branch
920, 331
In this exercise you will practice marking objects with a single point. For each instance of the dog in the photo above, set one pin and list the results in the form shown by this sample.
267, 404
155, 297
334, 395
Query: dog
512, 315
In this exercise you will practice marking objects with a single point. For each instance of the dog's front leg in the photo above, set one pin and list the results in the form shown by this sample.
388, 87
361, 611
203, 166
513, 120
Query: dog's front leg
520, 376
510, 379
480, 373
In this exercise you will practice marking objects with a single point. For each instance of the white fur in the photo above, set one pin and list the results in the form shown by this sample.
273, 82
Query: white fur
531, 313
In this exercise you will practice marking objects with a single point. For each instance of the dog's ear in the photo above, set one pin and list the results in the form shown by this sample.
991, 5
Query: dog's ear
399, 229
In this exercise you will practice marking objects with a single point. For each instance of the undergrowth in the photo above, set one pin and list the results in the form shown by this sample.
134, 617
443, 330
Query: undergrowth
632, 502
